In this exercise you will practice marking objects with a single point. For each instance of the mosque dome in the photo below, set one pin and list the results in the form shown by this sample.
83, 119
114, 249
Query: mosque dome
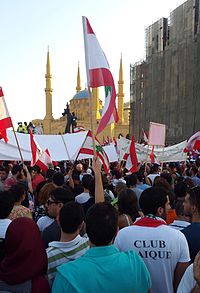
81, 95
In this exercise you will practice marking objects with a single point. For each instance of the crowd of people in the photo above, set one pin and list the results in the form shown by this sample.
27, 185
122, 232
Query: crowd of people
77, 229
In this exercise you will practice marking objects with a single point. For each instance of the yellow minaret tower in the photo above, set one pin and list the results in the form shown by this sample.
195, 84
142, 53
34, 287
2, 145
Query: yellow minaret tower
95, 104
120, 94
48, 91
78, 86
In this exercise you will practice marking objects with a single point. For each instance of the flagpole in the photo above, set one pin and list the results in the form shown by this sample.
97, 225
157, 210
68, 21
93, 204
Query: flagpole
81, 147
147, 153
65, 147
20, 153
162, 158
88, 83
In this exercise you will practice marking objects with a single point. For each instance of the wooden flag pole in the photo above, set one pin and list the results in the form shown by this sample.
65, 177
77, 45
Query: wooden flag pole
20, 153
91, 122
65, 147
81, 147
147, 154
162, 158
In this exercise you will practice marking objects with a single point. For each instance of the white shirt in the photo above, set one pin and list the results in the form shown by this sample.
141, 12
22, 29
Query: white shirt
161, 248
82, 198
4, 223
179, 225
44, 222
187, 282
152, 177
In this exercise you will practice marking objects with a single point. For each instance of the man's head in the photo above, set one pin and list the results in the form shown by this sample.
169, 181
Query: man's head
86, 180
3, 173
155, 201
192, 202
101, 224
193, 171
58, 179
57, 199
79, 167
132, 179
6, 204
16, 170
71, 217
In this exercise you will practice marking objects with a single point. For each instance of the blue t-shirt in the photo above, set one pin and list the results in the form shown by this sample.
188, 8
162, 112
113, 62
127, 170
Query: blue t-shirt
192, 234
103, 270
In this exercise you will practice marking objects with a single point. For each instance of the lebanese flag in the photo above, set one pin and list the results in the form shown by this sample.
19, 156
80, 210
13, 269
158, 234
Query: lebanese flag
87, 148
35, 149
5, 120
44, 161
79, 129
132, 161
145, 135
98, 74
3, 134
193, 143
153, 157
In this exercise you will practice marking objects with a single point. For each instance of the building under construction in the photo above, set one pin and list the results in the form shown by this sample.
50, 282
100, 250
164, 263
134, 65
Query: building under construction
165, 87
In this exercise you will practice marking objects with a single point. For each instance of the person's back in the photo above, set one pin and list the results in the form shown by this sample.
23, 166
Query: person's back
71, 244
163, 249
192, 208
103, 268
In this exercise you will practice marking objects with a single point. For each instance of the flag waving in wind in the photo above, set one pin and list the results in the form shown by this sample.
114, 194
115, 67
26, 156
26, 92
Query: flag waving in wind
87, 148
5, 120
98, 74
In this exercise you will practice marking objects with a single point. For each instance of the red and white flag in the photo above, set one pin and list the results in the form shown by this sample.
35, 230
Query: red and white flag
35, 149
5, 120
98, 74
87, 148
132, 161
193, 143
153, 157
79, 129
44, 161
145, 135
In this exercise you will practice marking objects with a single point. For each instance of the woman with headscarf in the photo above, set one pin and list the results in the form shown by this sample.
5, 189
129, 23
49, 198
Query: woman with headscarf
25, 263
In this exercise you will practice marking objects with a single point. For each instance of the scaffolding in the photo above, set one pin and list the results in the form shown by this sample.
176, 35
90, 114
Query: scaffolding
166, 87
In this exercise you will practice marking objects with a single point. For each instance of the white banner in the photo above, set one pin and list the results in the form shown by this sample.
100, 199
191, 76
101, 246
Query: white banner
171, 154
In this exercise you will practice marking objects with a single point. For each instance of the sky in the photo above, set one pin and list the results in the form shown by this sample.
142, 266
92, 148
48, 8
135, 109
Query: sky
28, 27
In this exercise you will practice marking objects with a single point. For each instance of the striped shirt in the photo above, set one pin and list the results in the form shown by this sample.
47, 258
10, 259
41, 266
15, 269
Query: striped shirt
63, 252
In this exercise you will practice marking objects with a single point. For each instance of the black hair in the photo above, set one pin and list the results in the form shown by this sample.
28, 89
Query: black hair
71, 217
116, 173
6, 204
62, 195
194, 169
151, 199
17, 191
167, 177
58, 179
101, 223
132, 179
195, 197
49, 173
180, 189
92, 187
16, 169
4, 169
76, 175
179, 208
86, 180
128, 203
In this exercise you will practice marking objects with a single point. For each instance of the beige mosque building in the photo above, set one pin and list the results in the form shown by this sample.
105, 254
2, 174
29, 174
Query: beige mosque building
79, 104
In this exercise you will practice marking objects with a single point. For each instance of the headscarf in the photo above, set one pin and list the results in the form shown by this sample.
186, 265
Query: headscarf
25, 255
